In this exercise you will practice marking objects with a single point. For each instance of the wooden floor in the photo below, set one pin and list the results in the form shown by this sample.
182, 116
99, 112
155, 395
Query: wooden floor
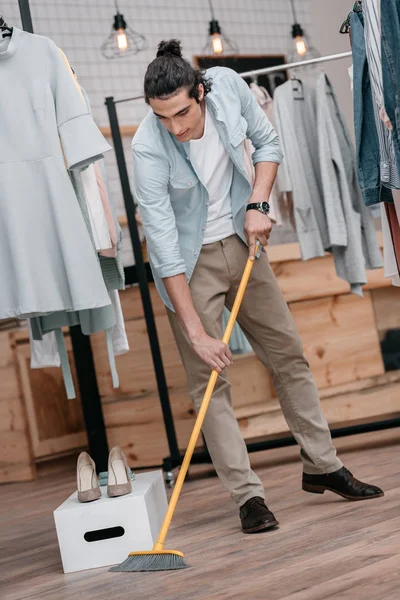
325, 548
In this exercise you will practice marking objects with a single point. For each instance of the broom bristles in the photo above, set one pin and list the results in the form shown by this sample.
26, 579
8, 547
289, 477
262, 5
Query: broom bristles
150, 562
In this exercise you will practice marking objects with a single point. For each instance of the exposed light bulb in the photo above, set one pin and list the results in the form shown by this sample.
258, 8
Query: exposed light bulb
301, 47
217, 44
122, 40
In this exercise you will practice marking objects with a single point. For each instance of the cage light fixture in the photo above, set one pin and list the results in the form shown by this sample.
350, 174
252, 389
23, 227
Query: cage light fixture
217, 42
301, 47
122, 41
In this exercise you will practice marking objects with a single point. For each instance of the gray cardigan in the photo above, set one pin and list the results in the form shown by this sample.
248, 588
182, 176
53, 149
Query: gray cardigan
319, 167
352, 237
297, 173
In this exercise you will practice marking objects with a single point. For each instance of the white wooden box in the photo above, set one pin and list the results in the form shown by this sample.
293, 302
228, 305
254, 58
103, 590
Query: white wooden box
103, 532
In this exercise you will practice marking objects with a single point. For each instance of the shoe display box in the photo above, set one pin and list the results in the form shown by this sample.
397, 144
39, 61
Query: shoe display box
103, 532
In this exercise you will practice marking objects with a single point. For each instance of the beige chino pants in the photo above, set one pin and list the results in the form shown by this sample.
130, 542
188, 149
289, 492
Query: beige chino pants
268, 325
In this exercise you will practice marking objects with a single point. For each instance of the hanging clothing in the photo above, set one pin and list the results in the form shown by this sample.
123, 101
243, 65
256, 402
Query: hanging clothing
352, 236
98, 221
44, 351
389, 257
367, 140
55, 130
394, 230
390, 33
281, 203
292, 122
106, 202
319, 161
389, 173
46, 329
47, 260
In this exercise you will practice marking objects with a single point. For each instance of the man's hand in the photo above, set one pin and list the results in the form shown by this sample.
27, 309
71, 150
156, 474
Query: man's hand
256, 227
212, 351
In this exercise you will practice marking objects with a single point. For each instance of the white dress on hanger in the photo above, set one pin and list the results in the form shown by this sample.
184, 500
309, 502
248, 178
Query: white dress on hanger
47, 260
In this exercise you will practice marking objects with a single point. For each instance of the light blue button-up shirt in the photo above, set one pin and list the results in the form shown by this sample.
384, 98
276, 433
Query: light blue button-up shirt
173, 201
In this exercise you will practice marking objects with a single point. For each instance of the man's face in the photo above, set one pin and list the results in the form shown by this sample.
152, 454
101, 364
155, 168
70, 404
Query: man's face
181, 115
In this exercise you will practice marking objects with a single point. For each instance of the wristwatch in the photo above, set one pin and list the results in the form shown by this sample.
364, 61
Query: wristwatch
262, 207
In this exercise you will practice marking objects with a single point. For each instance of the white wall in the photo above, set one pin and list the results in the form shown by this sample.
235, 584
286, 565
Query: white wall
80, 26
326, 18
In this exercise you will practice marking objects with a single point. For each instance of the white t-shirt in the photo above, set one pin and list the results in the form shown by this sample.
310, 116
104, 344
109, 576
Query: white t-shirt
214, 168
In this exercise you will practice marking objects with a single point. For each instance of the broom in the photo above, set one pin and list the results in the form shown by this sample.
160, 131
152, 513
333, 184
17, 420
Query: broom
159, 559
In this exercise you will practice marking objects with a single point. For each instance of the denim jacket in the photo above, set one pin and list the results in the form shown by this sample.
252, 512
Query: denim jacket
173, 201
390, 32
367, 141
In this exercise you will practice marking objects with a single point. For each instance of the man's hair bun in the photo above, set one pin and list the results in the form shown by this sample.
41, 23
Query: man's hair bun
170, 48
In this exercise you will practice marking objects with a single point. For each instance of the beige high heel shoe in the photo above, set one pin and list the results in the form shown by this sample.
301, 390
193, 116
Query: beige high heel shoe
86, 479
119, 482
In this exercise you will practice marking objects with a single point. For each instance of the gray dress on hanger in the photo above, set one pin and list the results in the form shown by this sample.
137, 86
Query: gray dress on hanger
47, 260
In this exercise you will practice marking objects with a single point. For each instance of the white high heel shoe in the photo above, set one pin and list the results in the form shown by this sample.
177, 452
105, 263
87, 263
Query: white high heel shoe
86, 479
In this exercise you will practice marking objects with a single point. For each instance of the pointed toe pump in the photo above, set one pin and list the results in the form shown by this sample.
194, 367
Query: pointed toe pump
119, 482
87, 484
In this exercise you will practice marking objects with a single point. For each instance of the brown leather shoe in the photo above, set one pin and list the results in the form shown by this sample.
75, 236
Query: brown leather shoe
256, 516
343, 483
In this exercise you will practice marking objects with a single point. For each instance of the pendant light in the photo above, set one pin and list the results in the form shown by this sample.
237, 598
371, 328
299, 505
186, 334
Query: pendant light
301, 48
217, 42
122, 41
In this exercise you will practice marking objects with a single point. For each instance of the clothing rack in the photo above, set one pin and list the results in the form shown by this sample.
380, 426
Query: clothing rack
296, 65
83, 356
141, 274
268, 70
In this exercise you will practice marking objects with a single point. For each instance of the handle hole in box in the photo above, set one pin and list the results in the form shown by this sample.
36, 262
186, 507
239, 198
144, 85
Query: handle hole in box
104, 534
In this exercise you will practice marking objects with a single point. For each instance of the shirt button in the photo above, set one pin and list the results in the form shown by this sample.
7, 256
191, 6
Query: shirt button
196, 253
207, 203
189, 183
203, 228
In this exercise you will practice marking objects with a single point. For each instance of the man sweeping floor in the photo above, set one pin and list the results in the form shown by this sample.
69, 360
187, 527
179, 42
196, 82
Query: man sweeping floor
201, 219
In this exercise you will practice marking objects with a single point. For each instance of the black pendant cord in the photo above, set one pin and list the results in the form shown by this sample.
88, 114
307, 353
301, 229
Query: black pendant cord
211, 10
293, 11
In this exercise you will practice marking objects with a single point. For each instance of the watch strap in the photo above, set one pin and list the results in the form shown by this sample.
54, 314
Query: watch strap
258, 206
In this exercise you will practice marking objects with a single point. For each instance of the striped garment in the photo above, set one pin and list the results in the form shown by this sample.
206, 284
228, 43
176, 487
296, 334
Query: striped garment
390, 176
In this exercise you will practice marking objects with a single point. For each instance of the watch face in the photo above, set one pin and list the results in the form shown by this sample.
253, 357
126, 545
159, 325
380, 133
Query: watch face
265, 207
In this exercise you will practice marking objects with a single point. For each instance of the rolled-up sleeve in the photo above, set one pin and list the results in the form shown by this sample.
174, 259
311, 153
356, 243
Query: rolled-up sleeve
150, 188
81, 139
259, 129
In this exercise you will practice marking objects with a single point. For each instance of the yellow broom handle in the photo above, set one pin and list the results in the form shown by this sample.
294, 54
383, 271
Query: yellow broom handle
159, 545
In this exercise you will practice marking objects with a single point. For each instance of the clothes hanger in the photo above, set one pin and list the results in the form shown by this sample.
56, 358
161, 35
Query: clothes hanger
345, 27
297, 87
4, 28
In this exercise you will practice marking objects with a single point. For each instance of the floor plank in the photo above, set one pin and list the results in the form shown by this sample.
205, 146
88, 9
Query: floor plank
325, 548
